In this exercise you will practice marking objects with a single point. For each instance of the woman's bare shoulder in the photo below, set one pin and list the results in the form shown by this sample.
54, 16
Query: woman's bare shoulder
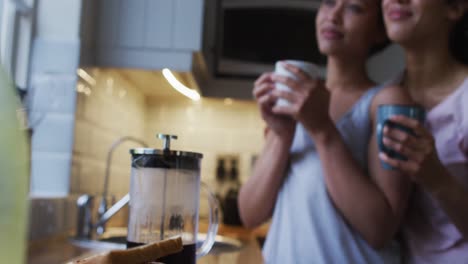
391, 94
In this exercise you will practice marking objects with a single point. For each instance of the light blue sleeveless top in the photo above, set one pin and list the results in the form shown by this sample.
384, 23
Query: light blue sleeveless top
306, 227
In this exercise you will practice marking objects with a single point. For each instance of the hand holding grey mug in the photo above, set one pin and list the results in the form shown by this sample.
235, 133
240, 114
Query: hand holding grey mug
309, 68
384, 112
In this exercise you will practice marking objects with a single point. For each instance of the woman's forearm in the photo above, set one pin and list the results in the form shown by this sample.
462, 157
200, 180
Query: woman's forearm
257, 196
358, 198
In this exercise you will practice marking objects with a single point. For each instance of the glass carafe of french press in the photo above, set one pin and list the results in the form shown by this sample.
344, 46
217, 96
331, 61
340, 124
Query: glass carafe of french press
164, 201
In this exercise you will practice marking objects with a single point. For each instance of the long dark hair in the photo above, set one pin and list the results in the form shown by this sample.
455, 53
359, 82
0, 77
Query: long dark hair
380, 46
459, 37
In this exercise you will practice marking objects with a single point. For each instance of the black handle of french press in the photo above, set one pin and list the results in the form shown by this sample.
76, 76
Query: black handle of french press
166, 140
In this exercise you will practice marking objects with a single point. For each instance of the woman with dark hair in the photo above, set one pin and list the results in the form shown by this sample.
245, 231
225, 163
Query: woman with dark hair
434, 35
319, 175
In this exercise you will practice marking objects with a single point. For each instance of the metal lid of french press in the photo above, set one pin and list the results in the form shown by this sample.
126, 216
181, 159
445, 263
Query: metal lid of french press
165, 158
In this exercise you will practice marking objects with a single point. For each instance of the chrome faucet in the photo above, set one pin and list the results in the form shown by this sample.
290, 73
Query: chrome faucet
85, 225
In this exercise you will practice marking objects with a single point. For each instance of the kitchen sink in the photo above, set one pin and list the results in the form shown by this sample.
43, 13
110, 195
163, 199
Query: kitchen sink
222, 244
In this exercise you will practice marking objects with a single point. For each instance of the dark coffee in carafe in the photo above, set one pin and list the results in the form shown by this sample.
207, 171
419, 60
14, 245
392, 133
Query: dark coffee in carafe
186, 256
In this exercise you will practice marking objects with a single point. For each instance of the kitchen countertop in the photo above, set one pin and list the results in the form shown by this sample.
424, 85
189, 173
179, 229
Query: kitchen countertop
60, 250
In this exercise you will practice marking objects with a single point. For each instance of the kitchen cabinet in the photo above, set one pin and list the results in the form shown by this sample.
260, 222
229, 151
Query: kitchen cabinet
145, 34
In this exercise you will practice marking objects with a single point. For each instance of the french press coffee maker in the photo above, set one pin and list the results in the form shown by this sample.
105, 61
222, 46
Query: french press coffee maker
164, 200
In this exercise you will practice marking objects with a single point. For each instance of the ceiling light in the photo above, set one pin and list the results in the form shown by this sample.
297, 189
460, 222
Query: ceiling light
190, 93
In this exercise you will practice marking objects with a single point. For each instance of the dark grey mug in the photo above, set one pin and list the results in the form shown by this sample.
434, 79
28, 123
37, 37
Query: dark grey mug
384, 112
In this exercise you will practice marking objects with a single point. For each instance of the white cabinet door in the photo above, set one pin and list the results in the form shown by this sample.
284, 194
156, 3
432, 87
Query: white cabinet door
136, 23
148, 34
159, 23
153, 24
108, 15
188, 24
131, 27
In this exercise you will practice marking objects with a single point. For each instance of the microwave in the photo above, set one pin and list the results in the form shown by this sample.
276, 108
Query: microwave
251, 35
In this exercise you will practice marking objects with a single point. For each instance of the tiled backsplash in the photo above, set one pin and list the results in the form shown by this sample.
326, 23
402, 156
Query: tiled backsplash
114, 108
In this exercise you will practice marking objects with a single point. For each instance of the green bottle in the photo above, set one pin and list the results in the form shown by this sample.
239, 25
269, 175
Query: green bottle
14, 176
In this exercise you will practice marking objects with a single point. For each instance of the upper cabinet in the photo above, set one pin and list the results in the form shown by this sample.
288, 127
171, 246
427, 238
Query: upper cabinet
146, 34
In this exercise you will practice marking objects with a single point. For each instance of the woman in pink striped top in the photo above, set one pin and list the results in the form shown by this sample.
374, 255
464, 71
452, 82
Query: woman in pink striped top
434, 35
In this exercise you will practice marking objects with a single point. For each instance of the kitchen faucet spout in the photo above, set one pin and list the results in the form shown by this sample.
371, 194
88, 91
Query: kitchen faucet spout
103, 213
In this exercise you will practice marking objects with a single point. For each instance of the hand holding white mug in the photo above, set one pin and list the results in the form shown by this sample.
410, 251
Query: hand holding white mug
283, 126
310, 69
307, 97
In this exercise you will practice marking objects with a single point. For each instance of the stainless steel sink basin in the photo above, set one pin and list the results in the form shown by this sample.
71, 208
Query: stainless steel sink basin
222, 244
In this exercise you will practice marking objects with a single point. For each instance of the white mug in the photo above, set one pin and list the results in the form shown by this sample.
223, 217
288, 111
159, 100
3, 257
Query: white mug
311, 69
